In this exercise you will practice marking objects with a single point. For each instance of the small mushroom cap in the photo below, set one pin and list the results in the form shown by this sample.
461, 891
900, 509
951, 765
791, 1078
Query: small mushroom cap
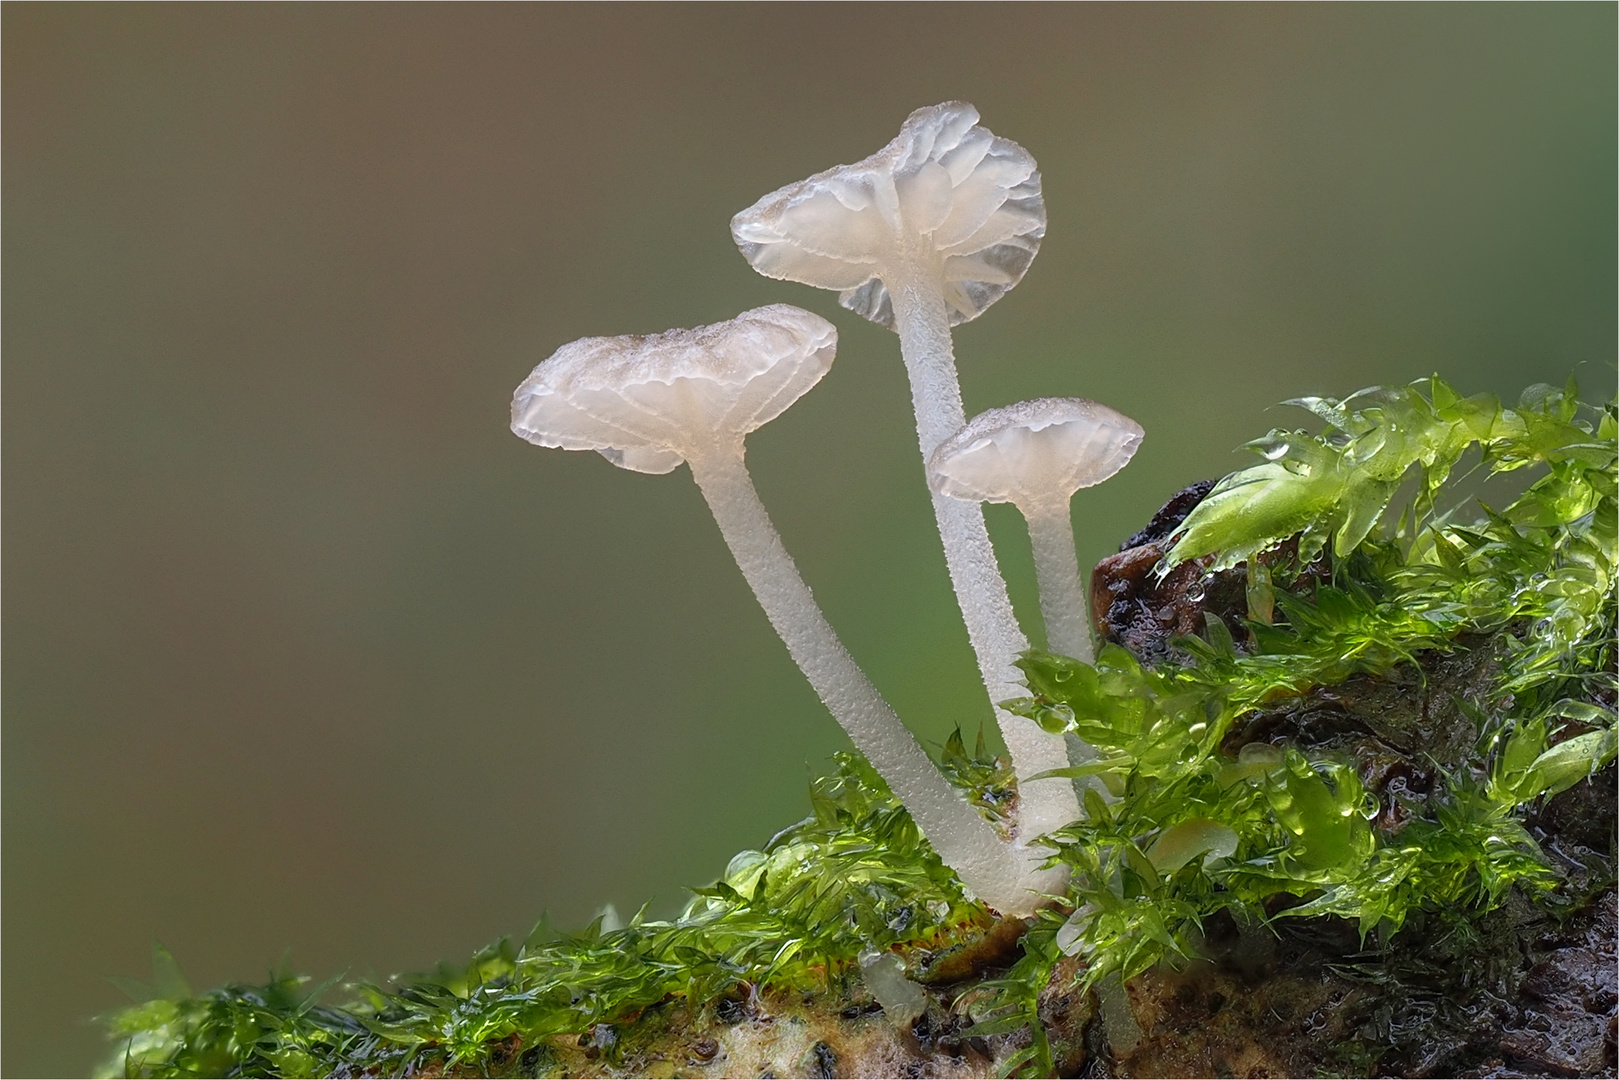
1034, 453
647, 403
944, 181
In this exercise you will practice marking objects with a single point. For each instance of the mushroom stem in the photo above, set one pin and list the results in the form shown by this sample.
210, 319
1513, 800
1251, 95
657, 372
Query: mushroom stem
925, 345
999, 873
1063, 608
1056, 569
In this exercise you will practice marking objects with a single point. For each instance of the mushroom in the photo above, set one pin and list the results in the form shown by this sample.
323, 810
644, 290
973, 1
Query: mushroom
924, 234
1035, 455
649, 403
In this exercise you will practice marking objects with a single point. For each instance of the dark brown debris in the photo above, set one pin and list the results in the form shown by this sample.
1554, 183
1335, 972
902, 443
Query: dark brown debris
998, 947
1133, 607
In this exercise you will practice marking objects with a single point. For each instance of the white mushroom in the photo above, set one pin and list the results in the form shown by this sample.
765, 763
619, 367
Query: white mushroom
649, 403
1035, 455
924, 234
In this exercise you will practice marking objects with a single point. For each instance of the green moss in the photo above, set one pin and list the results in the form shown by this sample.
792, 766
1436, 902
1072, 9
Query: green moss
795, 914
1194, 823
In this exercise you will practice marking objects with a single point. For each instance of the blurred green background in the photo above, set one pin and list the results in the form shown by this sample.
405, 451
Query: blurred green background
303, 648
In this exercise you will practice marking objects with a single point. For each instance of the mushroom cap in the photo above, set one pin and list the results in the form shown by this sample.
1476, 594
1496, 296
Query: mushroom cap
1034, 453
944, 182
647, 403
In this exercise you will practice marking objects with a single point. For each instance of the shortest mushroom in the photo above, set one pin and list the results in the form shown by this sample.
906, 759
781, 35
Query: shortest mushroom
650, 403
1035, 455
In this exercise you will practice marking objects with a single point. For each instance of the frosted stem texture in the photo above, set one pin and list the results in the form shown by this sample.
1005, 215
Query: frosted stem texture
997, 872
1065, 609
1063, 605
924, 341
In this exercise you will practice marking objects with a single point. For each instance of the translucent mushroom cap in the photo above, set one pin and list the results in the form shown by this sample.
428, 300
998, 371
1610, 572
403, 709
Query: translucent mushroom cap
647, 403
1034, 453
944, 186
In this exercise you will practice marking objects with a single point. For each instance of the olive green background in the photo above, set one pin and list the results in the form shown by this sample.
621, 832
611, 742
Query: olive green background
303, 648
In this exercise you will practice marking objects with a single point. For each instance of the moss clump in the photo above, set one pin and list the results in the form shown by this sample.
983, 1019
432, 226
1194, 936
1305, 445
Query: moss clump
790, 919
1366, 748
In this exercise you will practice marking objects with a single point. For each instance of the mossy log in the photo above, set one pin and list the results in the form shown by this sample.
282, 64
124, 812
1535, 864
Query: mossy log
1392, 750
1527, 989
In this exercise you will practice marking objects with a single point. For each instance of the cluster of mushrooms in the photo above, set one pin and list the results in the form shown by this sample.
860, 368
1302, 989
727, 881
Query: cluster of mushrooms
924, 234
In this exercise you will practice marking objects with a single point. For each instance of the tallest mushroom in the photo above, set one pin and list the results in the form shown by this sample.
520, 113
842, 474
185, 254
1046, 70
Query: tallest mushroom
926, 233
